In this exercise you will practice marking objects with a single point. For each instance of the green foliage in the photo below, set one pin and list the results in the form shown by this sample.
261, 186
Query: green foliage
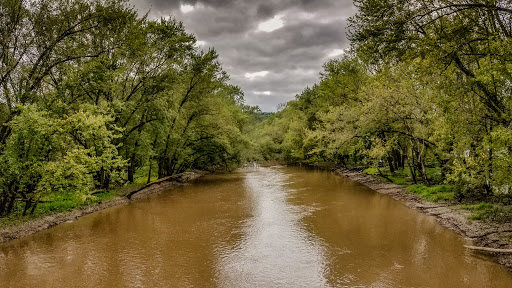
435, 193
92, 94
141, 174
45, 155
399, 177
423, 94
490, 212
471, 36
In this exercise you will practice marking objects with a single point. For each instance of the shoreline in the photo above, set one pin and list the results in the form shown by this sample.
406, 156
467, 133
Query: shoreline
37, 225
482, 234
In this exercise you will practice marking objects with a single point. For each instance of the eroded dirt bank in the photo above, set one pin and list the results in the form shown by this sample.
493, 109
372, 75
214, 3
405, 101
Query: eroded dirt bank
37, 225
491, 235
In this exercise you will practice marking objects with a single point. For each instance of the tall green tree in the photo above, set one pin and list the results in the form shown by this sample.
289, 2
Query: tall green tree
473, 36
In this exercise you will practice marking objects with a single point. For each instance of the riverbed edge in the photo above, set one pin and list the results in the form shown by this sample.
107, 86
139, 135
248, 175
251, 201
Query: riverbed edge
41, 224
482, 234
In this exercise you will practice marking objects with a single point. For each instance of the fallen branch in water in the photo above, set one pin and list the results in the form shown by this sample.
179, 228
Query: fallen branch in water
494, 250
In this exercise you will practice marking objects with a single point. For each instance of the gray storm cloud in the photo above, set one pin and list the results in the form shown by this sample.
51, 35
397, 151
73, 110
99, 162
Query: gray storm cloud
272, 49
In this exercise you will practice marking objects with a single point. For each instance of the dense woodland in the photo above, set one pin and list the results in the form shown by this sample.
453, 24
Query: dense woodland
425, 92
91, 93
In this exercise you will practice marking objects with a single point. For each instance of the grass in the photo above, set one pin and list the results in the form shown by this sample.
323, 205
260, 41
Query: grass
434, 193
403, 176
69, 200
399, 177
60, 202
489, 212
141, 175
398, 180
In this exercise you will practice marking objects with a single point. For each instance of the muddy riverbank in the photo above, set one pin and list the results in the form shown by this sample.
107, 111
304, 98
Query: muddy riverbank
483, 234
47, 222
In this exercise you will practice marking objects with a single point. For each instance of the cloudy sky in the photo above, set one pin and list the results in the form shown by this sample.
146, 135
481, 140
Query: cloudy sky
272, 49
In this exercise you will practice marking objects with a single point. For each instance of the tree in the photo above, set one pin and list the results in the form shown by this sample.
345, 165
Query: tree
472, 36
39, 37
90, 92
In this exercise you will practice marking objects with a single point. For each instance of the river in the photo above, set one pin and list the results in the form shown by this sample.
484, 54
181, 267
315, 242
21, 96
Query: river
262, 227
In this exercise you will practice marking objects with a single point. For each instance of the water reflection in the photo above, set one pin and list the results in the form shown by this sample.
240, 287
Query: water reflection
265, 227
276, 251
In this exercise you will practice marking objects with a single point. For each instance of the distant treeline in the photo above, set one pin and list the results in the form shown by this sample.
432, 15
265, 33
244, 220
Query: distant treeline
424, 85
90, 92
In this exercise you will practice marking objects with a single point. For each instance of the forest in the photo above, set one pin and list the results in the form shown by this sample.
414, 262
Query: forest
423, 96
391, 166
95, 97
92, 94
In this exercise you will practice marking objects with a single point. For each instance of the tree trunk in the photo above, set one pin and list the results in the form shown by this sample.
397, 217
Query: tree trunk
103, 179
160, 169
398, 159
172, 167
390, 163
28, 203
413, 172
34, 207
149, 172
131, 168
488, 185
164, 168
383, 175
424, 173
421, 165
11, 204
106, 184
487, 249
3, 203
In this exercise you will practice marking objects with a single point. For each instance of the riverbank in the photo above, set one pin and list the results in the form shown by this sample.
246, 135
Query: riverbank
36, 225
483, 234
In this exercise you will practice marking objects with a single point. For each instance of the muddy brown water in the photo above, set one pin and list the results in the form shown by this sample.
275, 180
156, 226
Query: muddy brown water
264, 227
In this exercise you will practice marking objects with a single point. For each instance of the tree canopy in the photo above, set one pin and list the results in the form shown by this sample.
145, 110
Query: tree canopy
91, 92
425, 87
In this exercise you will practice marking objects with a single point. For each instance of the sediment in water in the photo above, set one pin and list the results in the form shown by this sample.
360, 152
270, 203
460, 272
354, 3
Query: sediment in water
483, 234
47, 222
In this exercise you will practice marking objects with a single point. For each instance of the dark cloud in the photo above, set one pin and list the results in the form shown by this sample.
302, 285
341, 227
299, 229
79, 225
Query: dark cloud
293, 54
265, 11
212, 3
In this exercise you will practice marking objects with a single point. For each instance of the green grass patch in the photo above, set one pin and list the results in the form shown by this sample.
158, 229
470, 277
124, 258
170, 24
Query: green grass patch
434, 193
489, 212
63, 202
399, 180
434, 174
399, 177
371, 171
141, 175
59, 202
403, 176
